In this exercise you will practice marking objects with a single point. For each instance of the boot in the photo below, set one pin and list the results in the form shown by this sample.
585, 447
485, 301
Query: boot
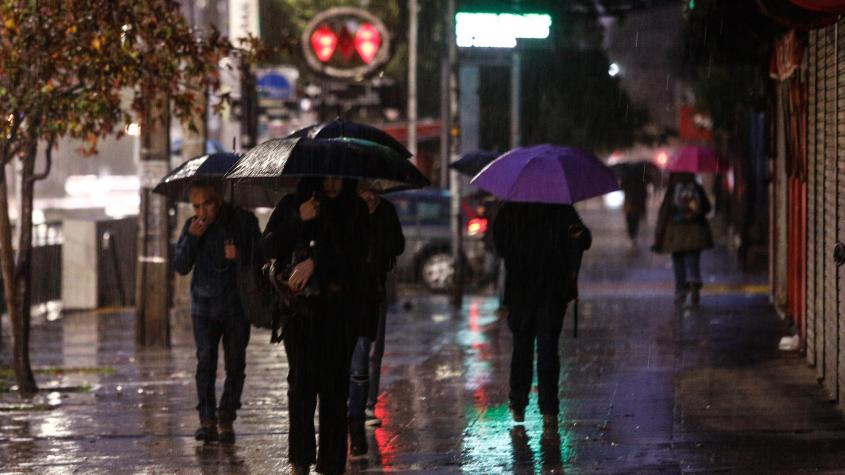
357, 439
207, 431
518, 415
695, 293
680, 297
227, 433
296, 469
550, 425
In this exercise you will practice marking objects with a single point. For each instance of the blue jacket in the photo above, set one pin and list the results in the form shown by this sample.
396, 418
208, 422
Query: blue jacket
213, 284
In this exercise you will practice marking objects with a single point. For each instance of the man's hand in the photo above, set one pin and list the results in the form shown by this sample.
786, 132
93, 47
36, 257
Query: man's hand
309, 209
197, 227
229, 250
300, 275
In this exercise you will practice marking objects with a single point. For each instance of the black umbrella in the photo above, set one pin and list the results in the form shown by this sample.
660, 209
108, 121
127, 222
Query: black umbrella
211, 169
343, 128
473, 162
278, 163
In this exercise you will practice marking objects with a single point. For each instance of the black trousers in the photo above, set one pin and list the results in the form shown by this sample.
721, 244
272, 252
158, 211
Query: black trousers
208, 331
319, 350
541, 320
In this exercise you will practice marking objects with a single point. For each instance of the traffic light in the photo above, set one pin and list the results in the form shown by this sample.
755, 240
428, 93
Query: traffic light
323, 43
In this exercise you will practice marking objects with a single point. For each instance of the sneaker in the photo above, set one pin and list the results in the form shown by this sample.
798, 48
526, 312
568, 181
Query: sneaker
357, 439
207, 431
371, 420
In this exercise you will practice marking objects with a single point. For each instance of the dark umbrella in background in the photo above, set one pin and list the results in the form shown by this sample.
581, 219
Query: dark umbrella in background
279, 163
343, 128
642, 170
211, 168
473, 162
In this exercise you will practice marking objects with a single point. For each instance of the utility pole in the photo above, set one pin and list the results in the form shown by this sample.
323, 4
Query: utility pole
152, 319
413, 32
454, 153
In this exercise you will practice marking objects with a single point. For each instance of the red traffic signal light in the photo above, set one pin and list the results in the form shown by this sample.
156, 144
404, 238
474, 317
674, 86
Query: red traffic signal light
367, 42
323, 43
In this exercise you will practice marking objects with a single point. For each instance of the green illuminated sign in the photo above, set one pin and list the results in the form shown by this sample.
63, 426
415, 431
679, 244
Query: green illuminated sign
499, 30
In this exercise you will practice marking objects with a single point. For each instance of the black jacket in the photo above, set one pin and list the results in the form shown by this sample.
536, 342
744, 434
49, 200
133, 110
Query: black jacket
336, 240
542, 246
386, 241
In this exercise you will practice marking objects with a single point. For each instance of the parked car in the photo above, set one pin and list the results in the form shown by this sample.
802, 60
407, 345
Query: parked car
424, 215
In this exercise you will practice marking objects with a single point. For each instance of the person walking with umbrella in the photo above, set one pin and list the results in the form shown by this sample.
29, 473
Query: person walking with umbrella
541, 238
211, 244
683, 231
320, 234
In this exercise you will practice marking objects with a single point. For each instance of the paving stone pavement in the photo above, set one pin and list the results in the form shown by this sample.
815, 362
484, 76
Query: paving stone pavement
645, 388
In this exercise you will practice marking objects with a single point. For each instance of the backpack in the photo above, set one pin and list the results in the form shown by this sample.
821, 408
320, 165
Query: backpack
687, 202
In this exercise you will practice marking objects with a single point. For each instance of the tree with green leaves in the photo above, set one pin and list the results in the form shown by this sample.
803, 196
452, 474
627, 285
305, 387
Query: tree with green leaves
65, 69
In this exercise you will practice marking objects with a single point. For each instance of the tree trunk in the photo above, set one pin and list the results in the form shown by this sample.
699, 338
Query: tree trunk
23, 271
23, 371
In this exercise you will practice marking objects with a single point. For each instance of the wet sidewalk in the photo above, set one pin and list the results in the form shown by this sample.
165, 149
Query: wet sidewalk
644, 388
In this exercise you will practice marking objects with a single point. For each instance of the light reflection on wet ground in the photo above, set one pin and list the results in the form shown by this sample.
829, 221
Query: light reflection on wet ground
643, 389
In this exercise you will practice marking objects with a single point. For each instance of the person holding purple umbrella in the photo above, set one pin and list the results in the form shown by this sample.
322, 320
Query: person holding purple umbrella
541, 245
683, 231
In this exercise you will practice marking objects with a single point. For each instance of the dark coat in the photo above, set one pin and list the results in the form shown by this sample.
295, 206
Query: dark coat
336, 239
542, 249
385, 242
672, 235
213, 287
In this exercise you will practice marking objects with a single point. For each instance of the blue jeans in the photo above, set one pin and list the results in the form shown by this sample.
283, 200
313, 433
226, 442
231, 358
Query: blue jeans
359, 379
687, 269
376, 354
208, 331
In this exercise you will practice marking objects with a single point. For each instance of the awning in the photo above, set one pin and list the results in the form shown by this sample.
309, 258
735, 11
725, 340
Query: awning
790, 15
826, 6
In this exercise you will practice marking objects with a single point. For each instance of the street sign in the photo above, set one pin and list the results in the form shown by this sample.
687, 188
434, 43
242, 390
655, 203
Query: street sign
276, 83
346, 43
499, 30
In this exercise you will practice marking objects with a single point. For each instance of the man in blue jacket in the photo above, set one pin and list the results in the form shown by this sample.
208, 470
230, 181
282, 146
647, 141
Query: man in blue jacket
211, 243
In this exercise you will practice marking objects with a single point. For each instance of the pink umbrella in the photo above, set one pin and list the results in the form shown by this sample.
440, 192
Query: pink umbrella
695, 159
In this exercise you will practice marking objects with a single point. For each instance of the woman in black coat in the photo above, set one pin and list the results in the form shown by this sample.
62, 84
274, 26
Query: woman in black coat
321, 231
541, 245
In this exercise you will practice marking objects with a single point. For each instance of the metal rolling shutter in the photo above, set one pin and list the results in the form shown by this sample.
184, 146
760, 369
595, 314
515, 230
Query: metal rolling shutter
813, 350
830, 125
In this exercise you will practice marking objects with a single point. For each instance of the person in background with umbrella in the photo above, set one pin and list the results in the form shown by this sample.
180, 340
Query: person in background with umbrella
634, 179
320, 234
210, 244
541, 238
385, 243
683, 231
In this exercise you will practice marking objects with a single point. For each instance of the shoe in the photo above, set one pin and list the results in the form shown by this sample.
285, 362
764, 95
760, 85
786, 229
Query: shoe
371, 420
518, 415
207, 431
550, 425
695, 293
296, 469
357, 439
680, 297
226, 432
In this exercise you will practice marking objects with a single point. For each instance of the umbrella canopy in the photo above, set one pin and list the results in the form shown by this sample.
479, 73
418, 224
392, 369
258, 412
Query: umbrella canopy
278, 163
473, 162
546, 174
695, 159
211, 169
343, 128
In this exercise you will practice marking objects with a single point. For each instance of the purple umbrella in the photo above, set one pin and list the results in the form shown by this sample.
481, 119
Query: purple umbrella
546, 174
